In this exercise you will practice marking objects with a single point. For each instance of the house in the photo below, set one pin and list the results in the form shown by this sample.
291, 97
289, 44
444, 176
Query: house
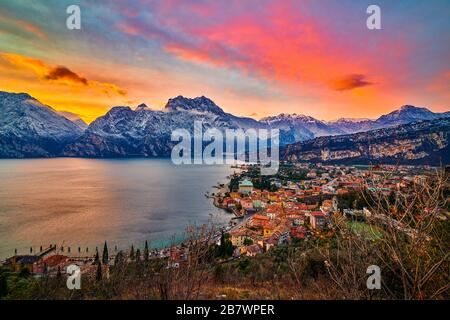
420, 179
355, 215
298, 232
235, 196
291, 186
329, 205
175, 254
283, 238
317, 219
271, 242
51, 264
273, 197
311, 174
281, 234
271, 216
239, 251
247, 204
238, 238
302, 206
259, 221
267, 231
273, 210
253, 250
229, 203
245, 186
19, 263
297, 220
257, 204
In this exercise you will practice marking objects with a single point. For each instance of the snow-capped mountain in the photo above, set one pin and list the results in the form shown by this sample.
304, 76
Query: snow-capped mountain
205, 109
145, 132
349, 125
421, 142
30, 129
198, 105
295, 127
75, 119
406, 114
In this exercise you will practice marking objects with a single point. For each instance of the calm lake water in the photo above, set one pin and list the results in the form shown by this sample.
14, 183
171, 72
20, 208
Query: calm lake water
83, 202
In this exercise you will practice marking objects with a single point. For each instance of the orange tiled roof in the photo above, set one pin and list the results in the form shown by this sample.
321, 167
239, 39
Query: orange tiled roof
260, 217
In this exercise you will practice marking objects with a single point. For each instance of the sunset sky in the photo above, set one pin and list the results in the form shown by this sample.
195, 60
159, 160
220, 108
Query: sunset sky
252, 57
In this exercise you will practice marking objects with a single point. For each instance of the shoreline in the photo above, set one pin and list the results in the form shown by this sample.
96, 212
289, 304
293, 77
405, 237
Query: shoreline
161, 246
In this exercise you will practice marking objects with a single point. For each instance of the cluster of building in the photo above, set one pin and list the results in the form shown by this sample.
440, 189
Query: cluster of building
302, 209
46, 262
298, 209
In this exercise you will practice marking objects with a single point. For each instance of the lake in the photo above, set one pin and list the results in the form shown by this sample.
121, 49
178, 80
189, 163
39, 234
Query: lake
76, 202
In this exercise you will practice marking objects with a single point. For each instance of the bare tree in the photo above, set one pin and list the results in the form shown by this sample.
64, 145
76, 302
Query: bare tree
414, 245
410, 242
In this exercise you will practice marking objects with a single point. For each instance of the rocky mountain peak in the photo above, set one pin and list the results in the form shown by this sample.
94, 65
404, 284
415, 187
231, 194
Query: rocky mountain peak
408, 113
408, 107
288, 117
142, 107
15, 96
200, 104
120, 111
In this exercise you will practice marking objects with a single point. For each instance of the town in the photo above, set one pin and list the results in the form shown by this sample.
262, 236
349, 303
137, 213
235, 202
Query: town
296, 204
299, 202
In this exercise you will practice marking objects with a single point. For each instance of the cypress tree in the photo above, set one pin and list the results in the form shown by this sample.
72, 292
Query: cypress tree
58, 274
105, 257
229, 251
146, 252
97, 258
222, 247
119, 258
132, 252
98, 275
138, 255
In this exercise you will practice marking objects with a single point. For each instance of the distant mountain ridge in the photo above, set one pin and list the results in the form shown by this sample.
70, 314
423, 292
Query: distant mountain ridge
406, 114
422, 142
124, 132
300, 127
30, 129
143, 132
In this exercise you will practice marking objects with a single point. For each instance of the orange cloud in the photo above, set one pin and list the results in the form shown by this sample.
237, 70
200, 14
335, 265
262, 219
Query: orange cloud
31, 28
350, 82
24, 25
62, 72
59, 74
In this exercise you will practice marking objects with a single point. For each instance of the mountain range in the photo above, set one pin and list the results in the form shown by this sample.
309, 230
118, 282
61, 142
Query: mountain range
422, 142
30, 129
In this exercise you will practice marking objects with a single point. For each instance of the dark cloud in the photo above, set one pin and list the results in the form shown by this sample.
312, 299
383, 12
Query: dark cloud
62, 72
350, 82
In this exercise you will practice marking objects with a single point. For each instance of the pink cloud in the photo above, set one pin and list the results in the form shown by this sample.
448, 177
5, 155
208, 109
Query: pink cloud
277, 43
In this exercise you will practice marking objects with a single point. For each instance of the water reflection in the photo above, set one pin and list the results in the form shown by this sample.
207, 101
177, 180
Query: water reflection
83, 202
